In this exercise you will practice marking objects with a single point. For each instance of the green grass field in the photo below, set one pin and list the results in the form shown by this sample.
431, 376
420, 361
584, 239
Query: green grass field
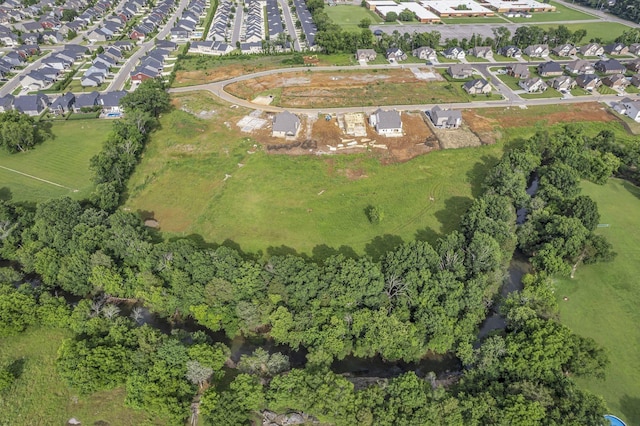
603, 299
606, 31
299, 202
63, 160
562, 13
476, 20
38, 397
349, 16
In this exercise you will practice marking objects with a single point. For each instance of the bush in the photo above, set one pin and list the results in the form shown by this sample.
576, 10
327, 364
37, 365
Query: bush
374, 214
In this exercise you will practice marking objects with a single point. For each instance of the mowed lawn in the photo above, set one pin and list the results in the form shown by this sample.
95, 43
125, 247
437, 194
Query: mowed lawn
63, 160
606, 31
562, 13
269, 203
349, 16
604, 299
39, 397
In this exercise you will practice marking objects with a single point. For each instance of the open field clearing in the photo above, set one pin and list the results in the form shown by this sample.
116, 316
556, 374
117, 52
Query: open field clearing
603, 299
491, 124
205, 177
349, 16
38, 396
606, 31
57, 167
352, 88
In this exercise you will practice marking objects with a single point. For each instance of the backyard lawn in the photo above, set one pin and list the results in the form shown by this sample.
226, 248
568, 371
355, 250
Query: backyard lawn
62, 161
301, 202
603, 299
38, 397
349, 16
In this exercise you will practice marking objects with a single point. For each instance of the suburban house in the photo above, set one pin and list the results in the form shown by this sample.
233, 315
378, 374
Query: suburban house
634, 49
588, 81
616, 49
537, 50
481, 52
395, 54
31, 104
633, 66
425, 53
285, 124
532, 85
510, 51
635, 80
580, 66
591, 49
562, 83
386, 123
460, 71
518, 70
110, 101
6, 103
35, 80
629, 107
550, 69
63, 104
366, 55
454, 53
445, 118
609, 66
92, 80
86, 100
479, 86
616, 81
565, 50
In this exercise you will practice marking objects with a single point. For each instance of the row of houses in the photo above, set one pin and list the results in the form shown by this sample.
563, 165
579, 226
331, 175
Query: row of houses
52, 68
186, 28
220, 24
108, 103
157, 16
154, 63
17, 58
307, 26
102, 65
569, 50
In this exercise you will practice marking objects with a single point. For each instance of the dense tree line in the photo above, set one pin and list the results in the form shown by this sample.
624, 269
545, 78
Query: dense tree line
625, 9
417, 298
20, 132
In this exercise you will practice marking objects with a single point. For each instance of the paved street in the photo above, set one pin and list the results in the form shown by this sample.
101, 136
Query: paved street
291, 28
510, 99
237, 26
122, 76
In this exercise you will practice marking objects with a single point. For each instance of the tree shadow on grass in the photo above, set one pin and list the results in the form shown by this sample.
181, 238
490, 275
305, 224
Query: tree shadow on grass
634, 190
380, 245
477, 174
5, 194
283, 250
16, 367
427, 235
322, 252
454, 208
630, 407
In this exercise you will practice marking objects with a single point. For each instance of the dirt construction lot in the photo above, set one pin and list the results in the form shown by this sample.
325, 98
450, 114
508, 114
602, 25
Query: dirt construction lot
318, 135
350, 88
486, 122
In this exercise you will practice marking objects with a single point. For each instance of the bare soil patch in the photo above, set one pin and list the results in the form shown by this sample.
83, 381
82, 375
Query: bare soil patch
461, 137
488, 120
349, 88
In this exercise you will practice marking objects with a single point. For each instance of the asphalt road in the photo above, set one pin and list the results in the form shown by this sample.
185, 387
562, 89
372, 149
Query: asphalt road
123, 74
291, 28
237, 26
511, 99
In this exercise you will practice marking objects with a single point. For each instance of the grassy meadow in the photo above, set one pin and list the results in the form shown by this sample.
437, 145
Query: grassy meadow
562, 13
349, 16
63, 160
606, 31
38, 396
603, 299
272, 203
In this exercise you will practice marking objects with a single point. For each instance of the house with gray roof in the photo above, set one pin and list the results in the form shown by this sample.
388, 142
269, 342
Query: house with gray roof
6, 103
63, 104
386, 123
478, 86
610, 66
31, 104
366, 55
445, 118
110, 101
86, 100
425, 53
460, 71
285, 124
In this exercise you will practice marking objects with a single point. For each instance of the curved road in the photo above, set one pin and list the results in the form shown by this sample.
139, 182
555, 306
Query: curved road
511, 99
